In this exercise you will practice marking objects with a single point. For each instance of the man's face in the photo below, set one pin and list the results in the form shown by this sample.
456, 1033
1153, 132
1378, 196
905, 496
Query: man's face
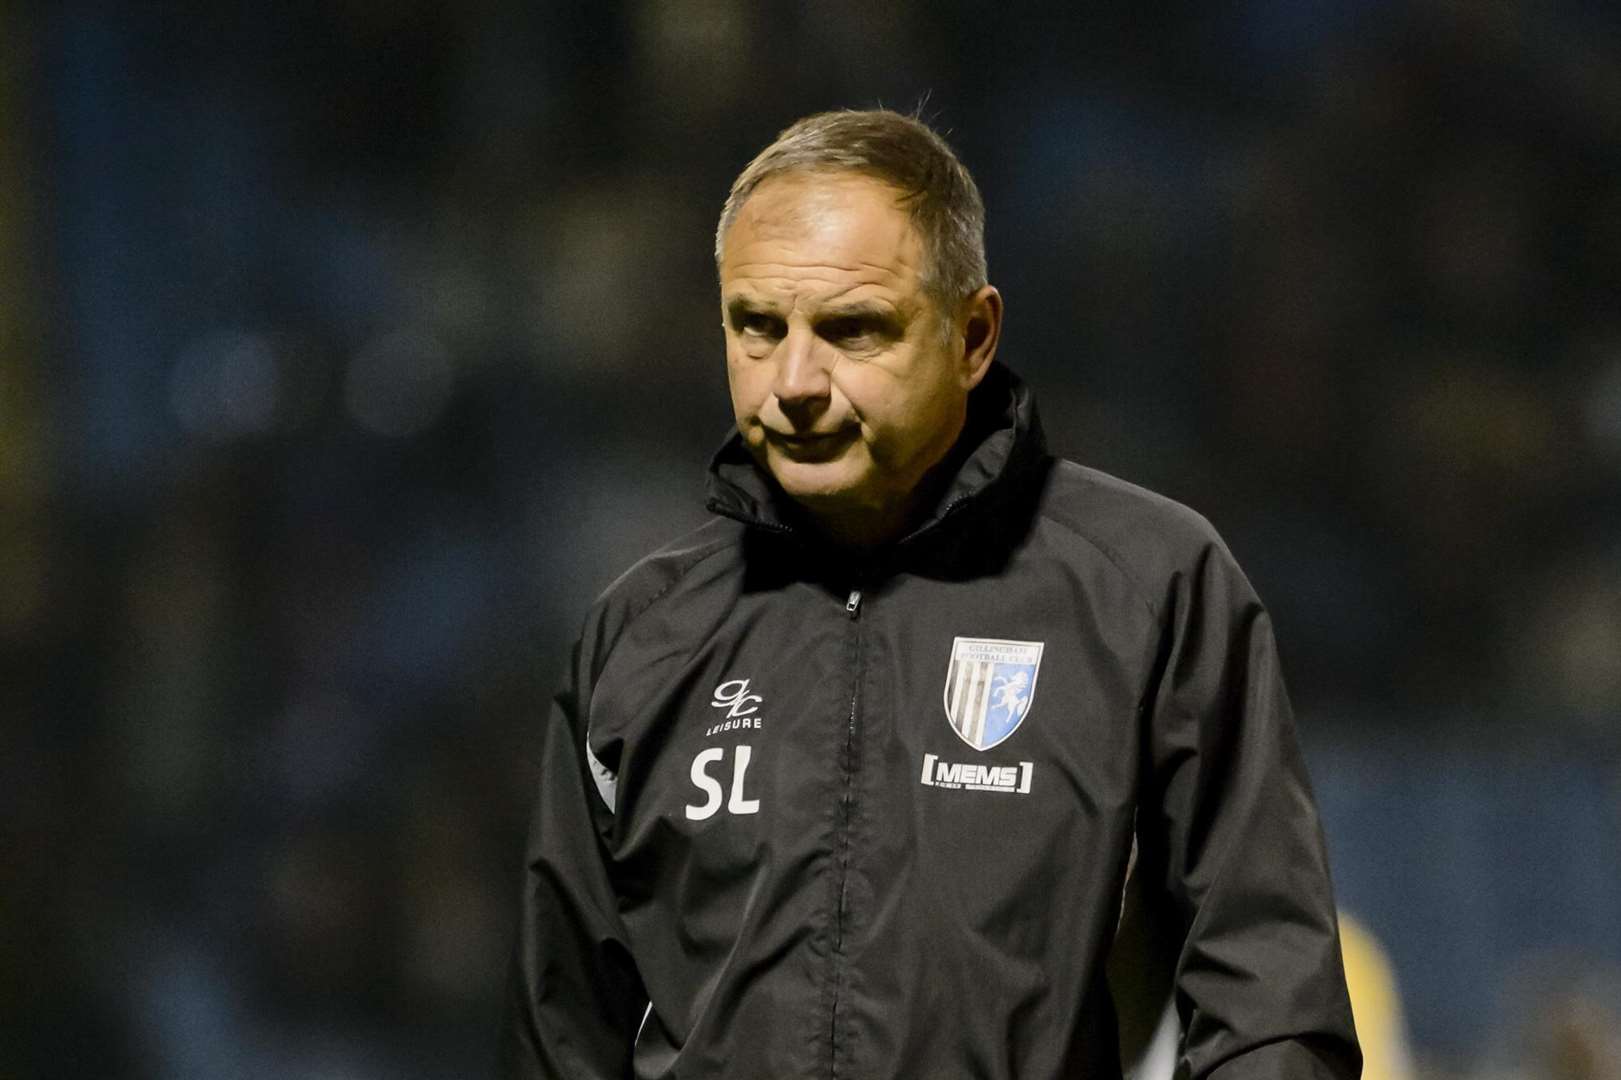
845, 385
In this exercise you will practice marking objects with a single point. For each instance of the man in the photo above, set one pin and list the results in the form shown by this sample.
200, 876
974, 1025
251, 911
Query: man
847, 782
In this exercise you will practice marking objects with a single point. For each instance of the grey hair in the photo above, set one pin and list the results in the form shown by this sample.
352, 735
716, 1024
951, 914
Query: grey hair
937, 192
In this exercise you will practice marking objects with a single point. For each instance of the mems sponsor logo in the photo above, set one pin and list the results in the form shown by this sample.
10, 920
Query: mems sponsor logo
971, 776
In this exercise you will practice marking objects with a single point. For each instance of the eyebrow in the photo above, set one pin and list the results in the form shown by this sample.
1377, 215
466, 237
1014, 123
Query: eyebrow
860, 309
868, 311
739, 306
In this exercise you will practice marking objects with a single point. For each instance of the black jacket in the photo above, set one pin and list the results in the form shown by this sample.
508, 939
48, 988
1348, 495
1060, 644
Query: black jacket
767, 843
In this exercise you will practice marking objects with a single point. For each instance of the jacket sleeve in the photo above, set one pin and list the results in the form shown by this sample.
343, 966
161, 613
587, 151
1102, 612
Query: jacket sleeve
1229, 824
574, 998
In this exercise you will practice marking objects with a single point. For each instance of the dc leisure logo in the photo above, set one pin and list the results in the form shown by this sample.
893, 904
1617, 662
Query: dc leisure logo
990, 685
742, 713
733, 696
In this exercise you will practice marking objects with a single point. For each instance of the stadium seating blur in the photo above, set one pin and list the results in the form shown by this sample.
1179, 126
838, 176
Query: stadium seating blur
350, 348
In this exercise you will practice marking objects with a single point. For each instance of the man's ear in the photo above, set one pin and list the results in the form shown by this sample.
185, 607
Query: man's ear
981, 330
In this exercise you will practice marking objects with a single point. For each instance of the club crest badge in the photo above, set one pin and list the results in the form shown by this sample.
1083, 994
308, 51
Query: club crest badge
989, 687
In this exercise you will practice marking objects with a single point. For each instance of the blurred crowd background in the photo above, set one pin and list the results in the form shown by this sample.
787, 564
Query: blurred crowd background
351, 347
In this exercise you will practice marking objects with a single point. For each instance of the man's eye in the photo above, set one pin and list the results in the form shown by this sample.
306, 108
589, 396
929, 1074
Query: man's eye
757, 325
848, 330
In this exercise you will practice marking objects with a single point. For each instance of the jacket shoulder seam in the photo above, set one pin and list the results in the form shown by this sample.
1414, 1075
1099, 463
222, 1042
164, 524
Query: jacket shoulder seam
1117, 560
634, 613
631, 615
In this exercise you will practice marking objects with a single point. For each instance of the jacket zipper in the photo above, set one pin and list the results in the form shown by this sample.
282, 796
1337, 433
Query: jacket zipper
852, 609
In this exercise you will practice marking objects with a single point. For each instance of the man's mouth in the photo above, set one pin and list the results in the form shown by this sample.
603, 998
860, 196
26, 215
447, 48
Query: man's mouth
810, 446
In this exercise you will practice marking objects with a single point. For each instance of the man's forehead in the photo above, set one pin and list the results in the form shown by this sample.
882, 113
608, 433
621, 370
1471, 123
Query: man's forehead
801, 191
841, 227
776, 278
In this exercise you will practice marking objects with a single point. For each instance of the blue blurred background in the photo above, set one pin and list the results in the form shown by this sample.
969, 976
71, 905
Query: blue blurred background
350, 348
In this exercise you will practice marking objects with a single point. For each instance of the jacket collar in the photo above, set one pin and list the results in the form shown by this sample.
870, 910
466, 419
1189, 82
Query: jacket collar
1001, 445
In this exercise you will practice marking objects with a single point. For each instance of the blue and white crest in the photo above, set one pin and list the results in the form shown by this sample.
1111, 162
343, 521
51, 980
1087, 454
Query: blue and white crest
989, 687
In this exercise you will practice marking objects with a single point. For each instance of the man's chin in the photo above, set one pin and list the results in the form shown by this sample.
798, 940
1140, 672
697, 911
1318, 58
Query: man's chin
816, 484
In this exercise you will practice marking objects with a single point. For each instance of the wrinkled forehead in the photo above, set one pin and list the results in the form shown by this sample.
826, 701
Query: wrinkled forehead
844, 227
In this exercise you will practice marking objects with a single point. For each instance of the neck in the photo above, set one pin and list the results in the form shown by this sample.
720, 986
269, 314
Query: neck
868, 529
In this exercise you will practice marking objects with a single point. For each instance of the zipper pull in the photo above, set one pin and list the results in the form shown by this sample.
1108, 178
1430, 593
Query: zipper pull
852, 606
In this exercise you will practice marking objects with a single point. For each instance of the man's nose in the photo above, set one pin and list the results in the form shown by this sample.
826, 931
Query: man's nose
803, 385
